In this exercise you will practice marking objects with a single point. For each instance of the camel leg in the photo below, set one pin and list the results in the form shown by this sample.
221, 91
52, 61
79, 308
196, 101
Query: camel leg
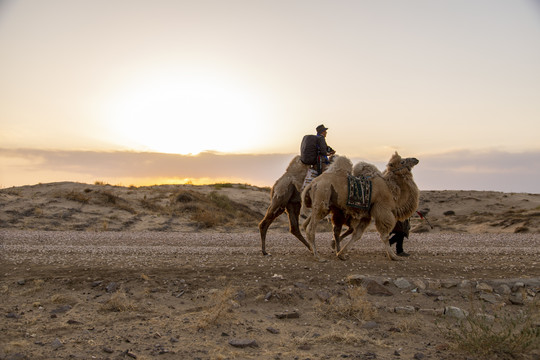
271, 214
306, 223
338, 219
311, 229
389, 252
384, 222
293, 211
358, 227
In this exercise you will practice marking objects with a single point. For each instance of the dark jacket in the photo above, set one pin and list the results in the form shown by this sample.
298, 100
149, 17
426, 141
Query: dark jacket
402, 227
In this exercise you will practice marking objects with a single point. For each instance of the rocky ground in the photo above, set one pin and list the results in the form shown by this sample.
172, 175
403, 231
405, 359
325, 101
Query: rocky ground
195, 290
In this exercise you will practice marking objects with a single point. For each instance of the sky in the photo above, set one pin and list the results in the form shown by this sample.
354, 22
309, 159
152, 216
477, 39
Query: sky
139, 92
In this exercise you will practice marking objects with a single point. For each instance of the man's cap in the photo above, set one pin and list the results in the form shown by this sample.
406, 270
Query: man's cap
321, 128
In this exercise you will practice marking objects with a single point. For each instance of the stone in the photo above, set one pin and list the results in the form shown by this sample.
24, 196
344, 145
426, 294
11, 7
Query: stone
57, 344
61, 309
402, 283
111, 287
516, 299
374, 288
484, 287
356, 279
488, 297
404, 309
419, 284
288, 315
518, 285
243, 343
323, 295
370, 325
271, 330
448, 284
432, 293
504, 290
455, 312
240, 295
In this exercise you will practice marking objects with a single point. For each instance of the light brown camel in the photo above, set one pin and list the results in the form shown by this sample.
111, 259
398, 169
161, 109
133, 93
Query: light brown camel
285, 196
394, 196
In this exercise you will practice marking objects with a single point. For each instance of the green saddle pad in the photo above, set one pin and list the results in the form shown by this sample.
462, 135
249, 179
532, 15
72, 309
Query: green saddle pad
359, 195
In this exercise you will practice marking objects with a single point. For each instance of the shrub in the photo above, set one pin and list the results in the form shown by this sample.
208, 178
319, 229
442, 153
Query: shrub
503, 335
75, 196
352, 306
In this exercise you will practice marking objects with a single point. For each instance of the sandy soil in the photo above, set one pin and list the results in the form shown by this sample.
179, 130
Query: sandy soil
206, 292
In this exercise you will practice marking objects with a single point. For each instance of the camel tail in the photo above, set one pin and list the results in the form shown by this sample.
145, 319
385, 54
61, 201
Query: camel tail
306, 197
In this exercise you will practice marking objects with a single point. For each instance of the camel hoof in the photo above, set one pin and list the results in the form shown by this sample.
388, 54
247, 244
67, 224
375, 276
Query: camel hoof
342, 257
266, 254
396, 258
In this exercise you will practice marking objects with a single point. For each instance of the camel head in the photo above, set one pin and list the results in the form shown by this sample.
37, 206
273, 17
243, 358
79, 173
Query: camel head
397, 163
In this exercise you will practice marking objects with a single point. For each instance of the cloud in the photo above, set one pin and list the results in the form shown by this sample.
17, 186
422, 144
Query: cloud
459, 170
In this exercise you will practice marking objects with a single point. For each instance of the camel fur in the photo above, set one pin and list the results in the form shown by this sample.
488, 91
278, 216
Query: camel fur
395, 196
285, 196
322, 195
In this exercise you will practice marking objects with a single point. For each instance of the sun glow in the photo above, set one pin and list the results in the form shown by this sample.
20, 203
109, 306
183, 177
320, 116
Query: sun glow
186, 116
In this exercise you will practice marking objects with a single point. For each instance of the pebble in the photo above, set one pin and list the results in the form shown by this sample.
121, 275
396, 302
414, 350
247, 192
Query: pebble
455, 312
484, 287
61, 309
57, 344
404, 309
243, 343
402, 283
111, 287
288, 315
272, 330
370, 325
374, 288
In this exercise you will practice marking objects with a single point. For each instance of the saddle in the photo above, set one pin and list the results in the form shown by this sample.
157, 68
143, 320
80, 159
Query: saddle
359, 194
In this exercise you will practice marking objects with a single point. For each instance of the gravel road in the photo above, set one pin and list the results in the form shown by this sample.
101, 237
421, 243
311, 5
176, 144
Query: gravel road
497, 255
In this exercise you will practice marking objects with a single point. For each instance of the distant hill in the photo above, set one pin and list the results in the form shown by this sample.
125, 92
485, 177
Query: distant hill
233, 208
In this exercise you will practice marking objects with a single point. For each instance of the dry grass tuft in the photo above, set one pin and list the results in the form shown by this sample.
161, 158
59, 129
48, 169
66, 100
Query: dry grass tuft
63, 299
38, 285
220, 308
118, 303
352, 306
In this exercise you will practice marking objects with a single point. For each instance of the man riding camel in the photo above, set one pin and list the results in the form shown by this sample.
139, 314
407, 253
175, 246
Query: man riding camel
314, 151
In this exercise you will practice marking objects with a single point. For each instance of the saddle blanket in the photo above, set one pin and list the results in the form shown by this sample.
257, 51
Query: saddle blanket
359, 195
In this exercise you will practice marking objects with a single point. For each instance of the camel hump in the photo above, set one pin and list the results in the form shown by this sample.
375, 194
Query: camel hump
340, 164
365, 169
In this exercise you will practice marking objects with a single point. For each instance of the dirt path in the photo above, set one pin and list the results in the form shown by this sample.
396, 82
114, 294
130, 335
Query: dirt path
214, 296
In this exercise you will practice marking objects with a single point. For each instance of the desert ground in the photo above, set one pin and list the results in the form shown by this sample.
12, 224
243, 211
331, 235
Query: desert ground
94, 271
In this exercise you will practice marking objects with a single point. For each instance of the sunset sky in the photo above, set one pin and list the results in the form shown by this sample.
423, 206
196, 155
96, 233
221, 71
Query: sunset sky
164, 91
